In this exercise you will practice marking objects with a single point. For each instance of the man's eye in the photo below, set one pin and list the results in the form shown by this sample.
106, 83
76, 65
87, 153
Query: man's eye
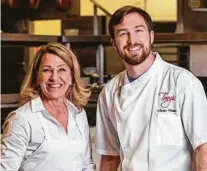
123, 34
137, 31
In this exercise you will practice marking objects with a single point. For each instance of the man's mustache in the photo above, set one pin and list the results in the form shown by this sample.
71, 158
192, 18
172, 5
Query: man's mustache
134, 45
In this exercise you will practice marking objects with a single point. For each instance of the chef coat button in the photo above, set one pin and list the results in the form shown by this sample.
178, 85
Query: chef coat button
119, 120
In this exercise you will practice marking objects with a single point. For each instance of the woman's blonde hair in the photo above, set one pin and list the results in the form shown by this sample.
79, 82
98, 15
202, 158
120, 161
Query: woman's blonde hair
76, 93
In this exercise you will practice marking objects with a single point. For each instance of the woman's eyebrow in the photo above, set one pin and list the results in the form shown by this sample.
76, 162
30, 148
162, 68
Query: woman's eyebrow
62, 65
49, 66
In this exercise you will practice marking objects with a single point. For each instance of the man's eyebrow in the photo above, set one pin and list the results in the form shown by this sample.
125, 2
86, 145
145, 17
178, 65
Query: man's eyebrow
121, 30
138, 26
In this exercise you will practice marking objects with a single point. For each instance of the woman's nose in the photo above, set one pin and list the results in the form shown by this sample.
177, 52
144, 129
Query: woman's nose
54, 76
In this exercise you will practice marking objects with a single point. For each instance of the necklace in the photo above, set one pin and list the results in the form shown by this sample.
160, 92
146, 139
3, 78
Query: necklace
56, 110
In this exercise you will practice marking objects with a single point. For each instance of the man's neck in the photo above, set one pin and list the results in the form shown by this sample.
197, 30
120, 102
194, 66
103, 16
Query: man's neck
137, 70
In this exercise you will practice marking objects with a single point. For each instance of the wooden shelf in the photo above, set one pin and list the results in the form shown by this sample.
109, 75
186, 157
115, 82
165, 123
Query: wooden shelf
199, 9
91, 40
190, 38
15, 105
26, 39
88, 40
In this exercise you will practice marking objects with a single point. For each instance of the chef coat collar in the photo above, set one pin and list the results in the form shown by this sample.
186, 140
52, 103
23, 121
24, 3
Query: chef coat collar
157, 65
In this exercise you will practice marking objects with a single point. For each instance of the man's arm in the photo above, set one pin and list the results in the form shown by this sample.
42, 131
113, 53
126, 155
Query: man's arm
202, 157
110, 163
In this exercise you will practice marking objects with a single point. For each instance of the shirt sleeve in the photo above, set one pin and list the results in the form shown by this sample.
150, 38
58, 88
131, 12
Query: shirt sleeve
14, 142
106, 141
194, 113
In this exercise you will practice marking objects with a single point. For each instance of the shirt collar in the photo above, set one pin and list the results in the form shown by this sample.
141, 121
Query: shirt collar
157, 65
37, 106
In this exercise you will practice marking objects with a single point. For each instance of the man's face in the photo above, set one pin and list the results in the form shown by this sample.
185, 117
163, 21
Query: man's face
132, 39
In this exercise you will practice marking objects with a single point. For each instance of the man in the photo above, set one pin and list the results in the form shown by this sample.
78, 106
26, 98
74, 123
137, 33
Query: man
152, 116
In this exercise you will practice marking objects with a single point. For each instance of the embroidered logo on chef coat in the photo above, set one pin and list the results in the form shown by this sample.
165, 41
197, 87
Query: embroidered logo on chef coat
166, 102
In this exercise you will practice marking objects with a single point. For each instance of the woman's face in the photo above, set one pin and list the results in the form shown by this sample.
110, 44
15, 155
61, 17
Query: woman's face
54, 77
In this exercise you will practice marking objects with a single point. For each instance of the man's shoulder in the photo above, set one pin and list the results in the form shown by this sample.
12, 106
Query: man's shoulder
115, 82
181, 76
178, 71
111, 86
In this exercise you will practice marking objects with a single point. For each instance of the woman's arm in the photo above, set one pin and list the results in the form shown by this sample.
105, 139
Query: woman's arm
14, 141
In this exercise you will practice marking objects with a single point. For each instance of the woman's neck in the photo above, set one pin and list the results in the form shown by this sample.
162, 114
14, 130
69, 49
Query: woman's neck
55, 106
58, 110
55, 103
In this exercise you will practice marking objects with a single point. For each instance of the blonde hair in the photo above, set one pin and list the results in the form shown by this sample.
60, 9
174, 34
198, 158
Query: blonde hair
76, 93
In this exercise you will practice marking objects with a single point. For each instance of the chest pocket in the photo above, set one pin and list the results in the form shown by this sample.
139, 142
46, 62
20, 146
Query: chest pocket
169, 131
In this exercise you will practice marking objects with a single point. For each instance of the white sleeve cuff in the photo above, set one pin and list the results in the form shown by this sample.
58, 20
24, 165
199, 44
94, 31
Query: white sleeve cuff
104, 152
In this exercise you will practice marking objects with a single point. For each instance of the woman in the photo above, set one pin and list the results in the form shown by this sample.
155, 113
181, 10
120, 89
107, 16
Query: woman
50, 130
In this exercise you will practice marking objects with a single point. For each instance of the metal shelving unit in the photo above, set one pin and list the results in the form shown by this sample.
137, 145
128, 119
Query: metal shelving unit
161, 39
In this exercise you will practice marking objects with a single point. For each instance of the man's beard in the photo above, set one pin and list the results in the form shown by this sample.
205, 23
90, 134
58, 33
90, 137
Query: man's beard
139, 57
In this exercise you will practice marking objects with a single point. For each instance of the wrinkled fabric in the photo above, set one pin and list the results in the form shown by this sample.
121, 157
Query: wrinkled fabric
155, 122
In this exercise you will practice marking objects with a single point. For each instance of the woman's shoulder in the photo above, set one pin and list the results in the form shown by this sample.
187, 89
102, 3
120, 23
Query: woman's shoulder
17, 120
24, 113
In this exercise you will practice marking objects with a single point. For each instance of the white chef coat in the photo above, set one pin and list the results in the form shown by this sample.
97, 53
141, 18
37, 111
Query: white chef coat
34, 141
155, 122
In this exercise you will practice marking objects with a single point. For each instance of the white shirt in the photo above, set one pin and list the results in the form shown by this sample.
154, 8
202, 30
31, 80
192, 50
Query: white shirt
24, 134
155, 122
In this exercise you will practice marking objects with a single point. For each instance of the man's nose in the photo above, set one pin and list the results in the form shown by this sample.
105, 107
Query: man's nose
132, 38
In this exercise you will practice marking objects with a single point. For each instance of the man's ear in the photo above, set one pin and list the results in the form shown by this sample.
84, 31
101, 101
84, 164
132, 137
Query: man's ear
113, 44
152, 36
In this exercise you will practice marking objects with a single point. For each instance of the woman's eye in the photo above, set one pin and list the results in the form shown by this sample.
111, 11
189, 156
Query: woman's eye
46, 70
62, 69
